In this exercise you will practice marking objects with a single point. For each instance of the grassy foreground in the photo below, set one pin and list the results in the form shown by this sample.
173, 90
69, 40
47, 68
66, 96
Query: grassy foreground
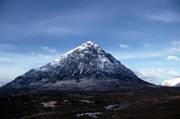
150, 103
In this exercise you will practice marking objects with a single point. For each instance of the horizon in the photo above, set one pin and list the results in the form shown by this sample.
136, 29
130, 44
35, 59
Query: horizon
142, 35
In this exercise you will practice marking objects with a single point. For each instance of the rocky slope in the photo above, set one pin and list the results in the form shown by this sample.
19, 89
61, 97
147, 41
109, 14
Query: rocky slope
87, 67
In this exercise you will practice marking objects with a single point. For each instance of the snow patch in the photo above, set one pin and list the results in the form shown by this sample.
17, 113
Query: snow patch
90, 114
172, 82
116, 107
49, 104
86, 101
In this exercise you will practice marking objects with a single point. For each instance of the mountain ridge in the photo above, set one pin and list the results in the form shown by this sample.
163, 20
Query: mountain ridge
87, 67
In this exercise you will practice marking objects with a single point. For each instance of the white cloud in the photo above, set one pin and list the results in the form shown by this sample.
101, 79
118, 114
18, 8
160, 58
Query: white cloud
174, 73
40, 55
4, 59
173, 58
76, 22
172, 82
2, 83
147, 45
6, 46
175, 42
137, 55
171, 52
123, 46
155, 73
49, 50
150, 75
14, 64
164, 16
174, 46
8, 74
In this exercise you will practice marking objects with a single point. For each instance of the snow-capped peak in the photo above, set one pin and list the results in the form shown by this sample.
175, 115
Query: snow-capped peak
89, 42
91, 54
87, 67
83, 48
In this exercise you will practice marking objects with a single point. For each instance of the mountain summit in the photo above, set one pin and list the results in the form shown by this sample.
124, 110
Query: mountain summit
87, 67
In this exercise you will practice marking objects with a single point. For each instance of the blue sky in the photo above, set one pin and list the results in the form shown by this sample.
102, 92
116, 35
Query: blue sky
142, 34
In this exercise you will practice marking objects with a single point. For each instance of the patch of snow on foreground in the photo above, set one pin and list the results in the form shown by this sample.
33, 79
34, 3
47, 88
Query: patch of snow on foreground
172, 82
90, 114
116, 107
49, 104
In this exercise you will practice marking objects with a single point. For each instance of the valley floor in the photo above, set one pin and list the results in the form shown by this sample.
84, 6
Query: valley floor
149, 103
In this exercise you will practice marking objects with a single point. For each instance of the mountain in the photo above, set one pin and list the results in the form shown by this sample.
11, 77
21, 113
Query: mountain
172, 83
87, 67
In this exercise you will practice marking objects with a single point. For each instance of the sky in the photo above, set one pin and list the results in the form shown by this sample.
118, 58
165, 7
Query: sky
143, 34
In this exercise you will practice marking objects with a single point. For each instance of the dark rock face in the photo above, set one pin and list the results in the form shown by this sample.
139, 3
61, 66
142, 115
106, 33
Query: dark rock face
87, 67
